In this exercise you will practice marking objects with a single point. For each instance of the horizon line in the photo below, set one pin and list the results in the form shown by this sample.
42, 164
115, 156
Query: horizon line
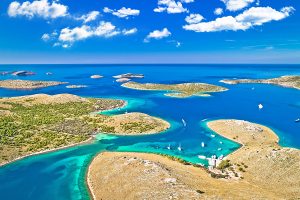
150, 63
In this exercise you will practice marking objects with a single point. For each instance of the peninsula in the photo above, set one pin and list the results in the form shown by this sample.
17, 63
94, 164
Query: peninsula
284, 81
263, 165
28, 85
37, 123
182, 90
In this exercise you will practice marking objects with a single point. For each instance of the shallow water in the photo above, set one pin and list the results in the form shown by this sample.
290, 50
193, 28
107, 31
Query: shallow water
61, 174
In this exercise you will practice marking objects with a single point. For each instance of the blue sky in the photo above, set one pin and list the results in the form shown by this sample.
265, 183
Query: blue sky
150, 31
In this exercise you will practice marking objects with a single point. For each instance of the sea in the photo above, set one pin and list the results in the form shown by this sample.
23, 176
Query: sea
62, 174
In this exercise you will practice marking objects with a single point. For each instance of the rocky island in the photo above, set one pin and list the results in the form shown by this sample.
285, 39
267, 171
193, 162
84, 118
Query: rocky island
177, 90
28, 85
263, 165
284, 81
130, 124
37, 123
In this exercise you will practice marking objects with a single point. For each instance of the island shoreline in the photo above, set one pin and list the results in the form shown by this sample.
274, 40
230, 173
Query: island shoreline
87, 141
242, 147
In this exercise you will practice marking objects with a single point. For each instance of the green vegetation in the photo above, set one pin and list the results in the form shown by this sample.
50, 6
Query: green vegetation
284, 81
224, 164
178, 90
137, 126
214, 175
29, 129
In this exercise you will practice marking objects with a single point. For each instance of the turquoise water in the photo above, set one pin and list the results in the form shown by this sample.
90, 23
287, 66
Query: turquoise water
61, 174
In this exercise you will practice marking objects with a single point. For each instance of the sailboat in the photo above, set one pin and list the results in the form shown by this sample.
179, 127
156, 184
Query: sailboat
169, 147
179, 147
183, 122
202, 144
260, 106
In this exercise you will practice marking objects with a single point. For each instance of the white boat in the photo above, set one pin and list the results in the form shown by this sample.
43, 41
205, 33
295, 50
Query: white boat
212, 135
202, 157
202, 144
221, 157
179, 147
221, 142
260, 106
219, 149
169, 147
297, 120
183, 122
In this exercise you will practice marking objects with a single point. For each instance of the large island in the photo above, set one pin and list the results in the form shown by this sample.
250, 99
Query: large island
265, 171
38, 123
284, 81
28, 85
177, 90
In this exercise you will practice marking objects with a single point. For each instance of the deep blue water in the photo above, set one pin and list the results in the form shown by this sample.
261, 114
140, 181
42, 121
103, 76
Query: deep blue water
60, 174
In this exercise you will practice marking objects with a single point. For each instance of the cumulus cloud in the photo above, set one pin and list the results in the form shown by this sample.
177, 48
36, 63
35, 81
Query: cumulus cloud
218, 11
158, 34
129, 32
91, 16
261, 15
123, 12
38, 8
68, 36
170, 6
234, 5
194, 18
255, 16
104, 29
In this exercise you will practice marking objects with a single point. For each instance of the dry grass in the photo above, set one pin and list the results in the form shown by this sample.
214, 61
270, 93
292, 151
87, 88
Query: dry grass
271, 172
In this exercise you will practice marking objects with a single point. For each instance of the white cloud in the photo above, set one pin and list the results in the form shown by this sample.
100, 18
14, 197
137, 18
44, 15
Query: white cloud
159, 9
38, 8
170, 6
234, 5
104, 29
91, 16
194, 18
75, 34
46, 37
68, 36
218, 11
107, 10
260, 15
187, 1
129, 32
123, 12
252, 17
157, 34
49, 36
